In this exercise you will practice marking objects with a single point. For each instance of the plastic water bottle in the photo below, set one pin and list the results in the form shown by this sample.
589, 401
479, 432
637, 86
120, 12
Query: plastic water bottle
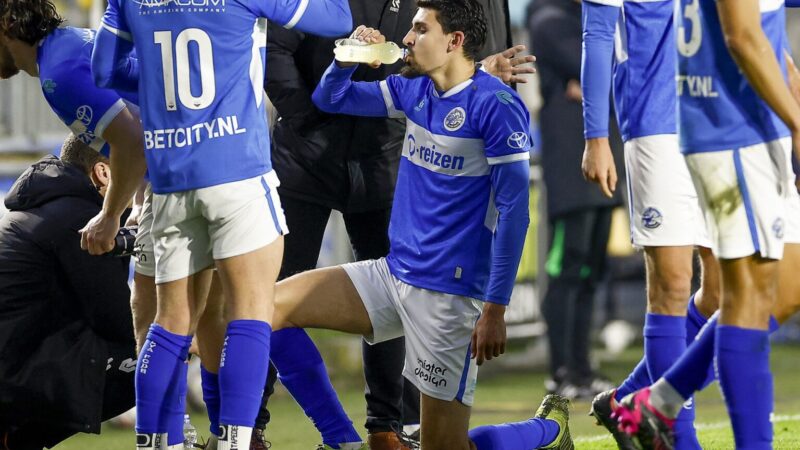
189, 434
355, 51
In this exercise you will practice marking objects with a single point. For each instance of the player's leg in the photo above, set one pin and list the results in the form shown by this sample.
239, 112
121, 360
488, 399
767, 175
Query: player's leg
392, 401
747, 231
183, 251
300, 253
210, 338
667, 222
143, 291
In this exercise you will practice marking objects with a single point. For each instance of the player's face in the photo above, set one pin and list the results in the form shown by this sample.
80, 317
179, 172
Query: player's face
427, 44
7, 66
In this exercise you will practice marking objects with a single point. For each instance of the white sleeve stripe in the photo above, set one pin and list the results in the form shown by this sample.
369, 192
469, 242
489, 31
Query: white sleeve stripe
387, 98
123, 34
301, 9
524, 156
109, 115
617, 3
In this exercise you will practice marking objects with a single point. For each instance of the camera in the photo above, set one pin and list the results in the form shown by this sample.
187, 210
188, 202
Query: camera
124, 242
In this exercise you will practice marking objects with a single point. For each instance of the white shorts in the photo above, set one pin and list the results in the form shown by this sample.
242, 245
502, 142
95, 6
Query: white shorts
746, 194
662, 202
192, 229
437, 329
145, 260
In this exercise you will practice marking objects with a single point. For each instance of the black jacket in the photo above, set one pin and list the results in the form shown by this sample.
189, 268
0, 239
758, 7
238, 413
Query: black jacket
343, 162
556, 36
59, 307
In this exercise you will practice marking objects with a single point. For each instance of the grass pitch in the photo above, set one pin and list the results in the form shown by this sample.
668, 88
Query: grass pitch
512, 397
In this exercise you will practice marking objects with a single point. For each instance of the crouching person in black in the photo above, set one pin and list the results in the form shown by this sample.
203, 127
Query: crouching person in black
67, 351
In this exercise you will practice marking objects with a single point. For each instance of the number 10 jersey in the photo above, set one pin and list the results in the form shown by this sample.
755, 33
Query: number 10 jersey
201, 85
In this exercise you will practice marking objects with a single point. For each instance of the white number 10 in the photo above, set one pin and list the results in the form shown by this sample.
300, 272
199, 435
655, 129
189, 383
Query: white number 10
181, 63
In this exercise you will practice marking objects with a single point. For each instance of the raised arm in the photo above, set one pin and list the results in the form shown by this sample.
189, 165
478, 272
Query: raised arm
337, 94
599, 22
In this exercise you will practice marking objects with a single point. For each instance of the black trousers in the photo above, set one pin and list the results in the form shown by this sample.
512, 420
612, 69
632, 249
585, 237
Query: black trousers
391, 399
575, 263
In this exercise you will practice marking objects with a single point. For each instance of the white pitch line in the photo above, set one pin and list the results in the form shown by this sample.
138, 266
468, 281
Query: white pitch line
700, 426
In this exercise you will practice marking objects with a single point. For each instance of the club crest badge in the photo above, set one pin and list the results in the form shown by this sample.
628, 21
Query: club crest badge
455, 119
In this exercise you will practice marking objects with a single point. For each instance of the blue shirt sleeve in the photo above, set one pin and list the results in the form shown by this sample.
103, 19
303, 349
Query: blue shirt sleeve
114, 62
792, 3
599, 24
511, 197
338, 94
321, 17
504, 124
86, 109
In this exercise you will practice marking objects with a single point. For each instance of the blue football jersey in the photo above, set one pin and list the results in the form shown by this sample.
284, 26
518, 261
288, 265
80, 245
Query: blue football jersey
644, 67
65, 74
718, 109
202, 96
443, 216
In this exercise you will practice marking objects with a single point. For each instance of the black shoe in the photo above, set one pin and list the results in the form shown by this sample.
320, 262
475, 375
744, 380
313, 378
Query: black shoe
603, 414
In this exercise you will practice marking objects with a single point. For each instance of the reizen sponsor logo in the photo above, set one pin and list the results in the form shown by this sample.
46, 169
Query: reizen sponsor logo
432, 156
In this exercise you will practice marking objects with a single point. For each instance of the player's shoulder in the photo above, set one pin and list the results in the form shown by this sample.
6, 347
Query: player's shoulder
65, 49
489, 90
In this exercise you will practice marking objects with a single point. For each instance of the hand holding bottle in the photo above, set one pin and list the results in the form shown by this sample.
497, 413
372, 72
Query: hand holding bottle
366, 45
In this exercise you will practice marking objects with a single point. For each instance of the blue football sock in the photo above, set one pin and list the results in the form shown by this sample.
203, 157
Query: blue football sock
303, 373
664, 342
742, 357
532, 433
177, 408
242, 371
159, 370
210, 384
694, 321
638, 379
690, 373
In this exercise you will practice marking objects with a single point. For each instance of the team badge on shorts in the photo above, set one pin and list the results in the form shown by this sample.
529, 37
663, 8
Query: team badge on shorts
651, 218
455, 119
777, 228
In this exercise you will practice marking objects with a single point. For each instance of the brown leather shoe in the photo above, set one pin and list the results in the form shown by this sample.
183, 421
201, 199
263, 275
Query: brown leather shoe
386, 441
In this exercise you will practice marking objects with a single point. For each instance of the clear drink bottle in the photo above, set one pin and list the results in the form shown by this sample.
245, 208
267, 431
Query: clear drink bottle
355, 51
189, 434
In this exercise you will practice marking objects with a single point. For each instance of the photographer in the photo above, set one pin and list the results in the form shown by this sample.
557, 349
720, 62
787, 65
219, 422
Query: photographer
67, 350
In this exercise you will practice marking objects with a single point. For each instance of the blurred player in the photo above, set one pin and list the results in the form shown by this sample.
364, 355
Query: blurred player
665, 214
458, 224
736, 118
214, 201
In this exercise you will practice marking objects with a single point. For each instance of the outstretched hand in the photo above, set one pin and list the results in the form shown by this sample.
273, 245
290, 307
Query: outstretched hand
509, 65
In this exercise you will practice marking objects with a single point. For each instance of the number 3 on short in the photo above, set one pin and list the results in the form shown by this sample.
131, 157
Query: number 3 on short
691, 13
181, 63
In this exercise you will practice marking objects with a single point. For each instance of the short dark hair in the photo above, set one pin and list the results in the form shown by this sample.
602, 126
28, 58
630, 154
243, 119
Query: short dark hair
28, 20
80, 155
461, 15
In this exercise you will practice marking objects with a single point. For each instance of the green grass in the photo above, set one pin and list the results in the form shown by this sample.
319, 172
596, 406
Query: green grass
512, 397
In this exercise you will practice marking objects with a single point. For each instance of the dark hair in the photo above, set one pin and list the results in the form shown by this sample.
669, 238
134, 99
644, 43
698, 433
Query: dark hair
461, 15
28, 20
80, 155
